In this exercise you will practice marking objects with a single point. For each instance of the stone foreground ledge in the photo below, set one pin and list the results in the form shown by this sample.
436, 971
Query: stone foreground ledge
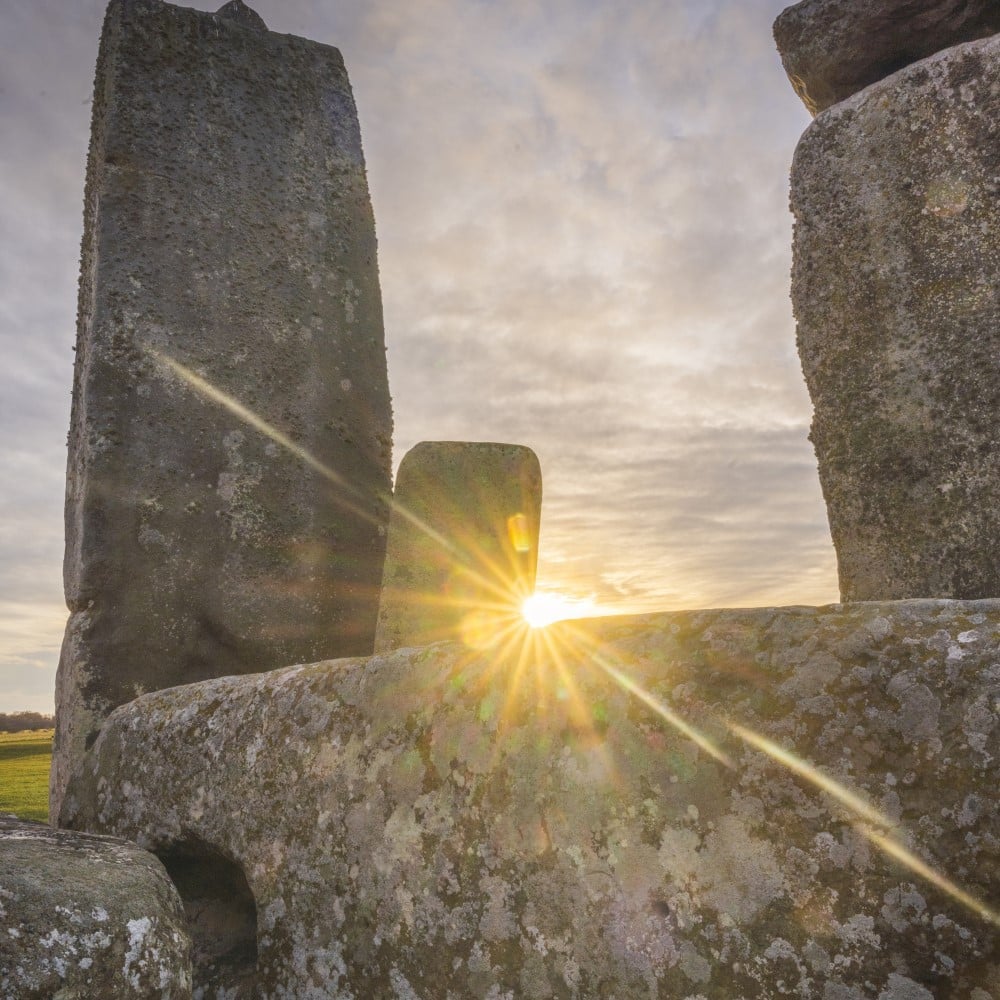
87, 917
447, 823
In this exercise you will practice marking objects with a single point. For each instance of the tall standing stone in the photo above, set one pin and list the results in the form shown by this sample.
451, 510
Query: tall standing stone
896, 195
229, 452
463, 542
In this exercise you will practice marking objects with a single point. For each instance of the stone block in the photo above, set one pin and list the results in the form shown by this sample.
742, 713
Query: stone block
87, 917
229, 452
894, 285
463, 542
831, 49
657, 806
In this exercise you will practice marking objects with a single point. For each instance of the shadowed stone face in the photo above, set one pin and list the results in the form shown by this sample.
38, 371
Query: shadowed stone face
463, 541
894, 284
831, 49
88, 917
229, 464
448, 823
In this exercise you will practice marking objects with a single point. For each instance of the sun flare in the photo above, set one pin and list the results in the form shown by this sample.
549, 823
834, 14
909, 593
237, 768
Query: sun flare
544, 608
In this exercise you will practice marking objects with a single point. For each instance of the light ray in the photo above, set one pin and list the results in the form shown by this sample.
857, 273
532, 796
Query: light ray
249, 417
842, 794
896, 850
887, 842
578, 703
590, 649
502, 587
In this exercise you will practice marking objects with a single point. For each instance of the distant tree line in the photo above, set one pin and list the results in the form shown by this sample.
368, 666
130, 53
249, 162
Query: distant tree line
18, 722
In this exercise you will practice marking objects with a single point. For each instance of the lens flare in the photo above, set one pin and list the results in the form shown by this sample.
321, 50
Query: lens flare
519, 532
592, 652
879, 829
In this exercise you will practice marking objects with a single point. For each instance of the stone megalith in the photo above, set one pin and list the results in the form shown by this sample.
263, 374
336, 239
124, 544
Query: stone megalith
637, 807
463, 541
229, 451
89, 917
894, 286
831, 49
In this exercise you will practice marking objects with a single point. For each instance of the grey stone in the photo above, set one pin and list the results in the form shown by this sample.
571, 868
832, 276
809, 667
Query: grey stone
463, 542
894, 285
238, 11
228, 230
454, 822
85, 917
831, 49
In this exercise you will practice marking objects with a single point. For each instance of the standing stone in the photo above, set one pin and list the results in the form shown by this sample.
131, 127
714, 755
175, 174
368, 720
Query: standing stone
831, 49
234, 520
897, 252
87, 917
463, 542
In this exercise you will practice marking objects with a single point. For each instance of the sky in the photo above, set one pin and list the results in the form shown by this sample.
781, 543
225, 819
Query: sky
584, 247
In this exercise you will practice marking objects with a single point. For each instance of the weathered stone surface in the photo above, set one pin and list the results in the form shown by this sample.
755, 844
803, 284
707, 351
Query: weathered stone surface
449, 823
831, 49
84, 917
228, 229
463, 542
894, 284
239, 11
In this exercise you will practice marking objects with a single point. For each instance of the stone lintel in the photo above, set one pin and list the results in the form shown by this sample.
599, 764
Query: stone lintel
831, 49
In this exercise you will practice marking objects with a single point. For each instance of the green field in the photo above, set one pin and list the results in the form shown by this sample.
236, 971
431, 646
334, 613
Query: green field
24, 773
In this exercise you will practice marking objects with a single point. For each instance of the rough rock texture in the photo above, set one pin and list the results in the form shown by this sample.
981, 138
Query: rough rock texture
447, 823
463, 542
228, 229
85, 917
894, 283
831, 49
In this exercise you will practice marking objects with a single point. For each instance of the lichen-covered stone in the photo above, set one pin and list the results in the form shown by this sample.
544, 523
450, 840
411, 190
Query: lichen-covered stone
228, 230
831, 49
85, 917
447, 822
463, 542
894, 284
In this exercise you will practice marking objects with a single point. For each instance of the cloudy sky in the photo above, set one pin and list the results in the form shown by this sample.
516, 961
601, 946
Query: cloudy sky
584, 247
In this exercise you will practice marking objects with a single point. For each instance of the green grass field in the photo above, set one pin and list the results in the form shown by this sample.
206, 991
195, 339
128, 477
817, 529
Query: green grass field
24, 773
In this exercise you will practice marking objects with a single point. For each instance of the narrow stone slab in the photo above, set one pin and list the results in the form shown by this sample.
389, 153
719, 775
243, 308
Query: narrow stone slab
894, 284
229, 463
463, 541
831, 49
624, 809
85, 916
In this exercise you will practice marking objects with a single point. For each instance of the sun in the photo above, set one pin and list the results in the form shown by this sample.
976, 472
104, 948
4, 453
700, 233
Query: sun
543, 608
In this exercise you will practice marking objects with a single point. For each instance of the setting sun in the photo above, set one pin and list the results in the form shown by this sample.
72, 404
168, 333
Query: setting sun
543, 608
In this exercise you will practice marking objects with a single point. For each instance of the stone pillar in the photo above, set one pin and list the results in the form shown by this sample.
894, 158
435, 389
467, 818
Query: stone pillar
229, 452
463, 542
894, 284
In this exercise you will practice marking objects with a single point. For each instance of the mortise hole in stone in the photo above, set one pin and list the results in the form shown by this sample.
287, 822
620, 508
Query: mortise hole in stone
222, 919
